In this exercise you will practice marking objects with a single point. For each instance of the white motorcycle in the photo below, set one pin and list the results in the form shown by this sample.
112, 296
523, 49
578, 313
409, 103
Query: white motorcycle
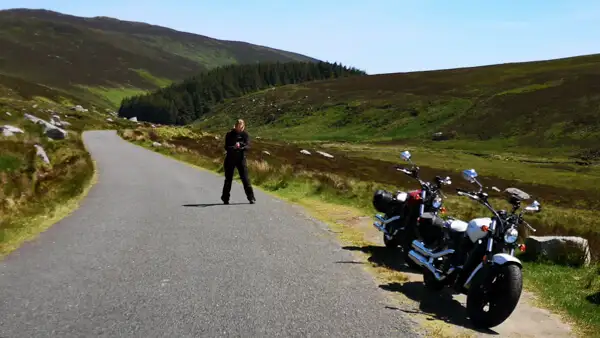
477, 258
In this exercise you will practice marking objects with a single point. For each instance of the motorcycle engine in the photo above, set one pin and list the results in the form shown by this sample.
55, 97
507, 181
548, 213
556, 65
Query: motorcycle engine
431, 228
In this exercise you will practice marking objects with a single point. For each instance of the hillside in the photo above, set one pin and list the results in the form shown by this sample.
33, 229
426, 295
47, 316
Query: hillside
536, 104
109, 58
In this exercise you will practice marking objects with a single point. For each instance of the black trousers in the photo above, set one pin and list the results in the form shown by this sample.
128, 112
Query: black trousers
231, 163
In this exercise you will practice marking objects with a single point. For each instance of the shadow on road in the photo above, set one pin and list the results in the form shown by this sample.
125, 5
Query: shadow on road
204, 205
438, 305
382, 256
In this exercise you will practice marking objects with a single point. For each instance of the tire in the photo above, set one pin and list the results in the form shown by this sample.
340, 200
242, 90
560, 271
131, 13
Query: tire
406, 247
391, 243
503, 293
430, 282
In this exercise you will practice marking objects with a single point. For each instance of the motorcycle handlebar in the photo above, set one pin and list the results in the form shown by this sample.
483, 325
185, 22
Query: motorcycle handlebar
465, 193
406, 171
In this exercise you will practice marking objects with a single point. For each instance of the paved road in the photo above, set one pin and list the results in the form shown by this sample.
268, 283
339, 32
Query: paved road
134, 261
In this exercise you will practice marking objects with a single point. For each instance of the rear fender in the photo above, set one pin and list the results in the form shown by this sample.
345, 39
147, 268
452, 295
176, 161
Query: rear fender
498, 259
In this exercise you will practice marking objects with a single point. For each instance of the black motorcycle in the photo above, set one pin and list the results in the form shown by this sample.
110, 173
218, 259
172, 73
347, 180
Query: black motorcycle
402, 210
478, 258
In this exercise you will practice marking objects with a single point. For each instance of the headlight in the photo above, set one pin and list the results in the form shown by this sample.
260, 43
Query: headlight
511, 235
437, 202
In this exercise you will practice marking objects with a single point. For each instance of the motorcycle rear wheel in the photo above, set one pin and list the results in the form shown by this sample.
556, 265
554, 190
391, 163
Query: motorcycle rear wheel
502, 295
390, 243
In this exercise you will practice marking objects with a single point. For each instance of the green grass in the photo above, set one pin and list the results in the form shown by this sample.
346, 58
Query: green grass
114, 95
549, 106
160, 82
561, 288
576, 292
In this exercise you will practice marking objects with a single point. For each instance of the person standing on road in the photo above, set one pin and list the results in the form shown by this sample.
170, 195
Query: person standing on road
237, 141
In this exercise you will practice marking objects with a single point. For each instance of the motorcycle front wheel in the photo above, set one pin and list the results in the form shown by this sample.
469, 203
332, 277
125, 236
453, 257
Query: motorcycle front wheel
499, 293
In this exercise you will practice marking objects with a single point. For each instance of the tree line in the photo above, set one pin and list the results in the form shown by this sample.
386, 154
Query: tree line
182, 103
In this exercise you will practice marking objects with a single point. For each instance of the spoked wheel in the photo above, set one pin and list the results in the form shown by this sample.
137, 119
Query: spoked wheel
491, 300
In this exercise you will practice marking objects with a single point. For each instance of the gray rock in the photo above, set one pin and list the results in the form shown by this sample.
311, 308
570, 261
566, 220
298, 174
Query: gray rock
10, 130
8, 113
325, 154
156, 144
305, 152
559, 249
56, 133
50, 129
79, 108
266, 152
133, 119
39, 151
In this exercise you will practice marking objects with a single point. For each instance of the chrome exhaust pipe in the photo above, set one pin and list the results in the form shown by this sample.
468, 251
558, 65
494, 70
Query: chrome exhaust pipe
422, 262
380, 227
426, 253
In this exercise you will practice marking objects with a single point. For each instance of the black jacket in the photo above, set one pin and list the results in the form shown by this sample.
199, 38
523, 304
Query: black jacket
232, 137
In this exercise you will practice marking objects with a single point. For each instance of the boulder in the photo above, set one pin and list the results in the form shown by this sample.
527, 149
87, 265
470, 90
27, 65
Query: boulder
40, 152
56, 133
10, 130
8, 113
156, 144
133, 119
79, 108
559, 249
322, 153
305, 152
50, 129
266, 152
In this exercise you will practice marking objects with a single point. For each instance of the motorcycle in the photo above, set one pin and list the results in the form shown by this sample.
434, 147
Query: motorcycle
477, 258
401, 210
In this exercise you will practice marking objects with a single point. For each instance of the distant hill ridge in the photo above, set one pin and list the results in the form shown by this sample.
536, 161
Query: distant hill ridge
68, 53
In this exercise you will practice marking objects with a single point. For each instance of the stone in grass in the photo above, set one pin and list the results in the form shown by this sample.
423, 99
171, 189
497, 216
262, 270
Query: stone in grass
41, 153
10, 130
568, 250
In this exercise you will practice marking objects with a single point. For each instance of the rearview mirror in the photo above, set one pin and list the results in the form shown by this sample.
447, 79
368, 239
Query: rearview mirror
534, 207
405, 155
469, 175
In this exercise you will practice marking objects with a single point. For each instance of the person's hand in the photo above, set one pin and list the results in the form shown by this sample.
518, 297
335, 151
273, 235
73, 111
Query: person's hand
237, 145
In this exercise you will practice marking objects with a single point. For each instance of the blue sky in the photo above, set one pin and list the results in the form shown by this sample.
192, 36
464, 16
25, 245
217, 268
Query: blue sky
379, 36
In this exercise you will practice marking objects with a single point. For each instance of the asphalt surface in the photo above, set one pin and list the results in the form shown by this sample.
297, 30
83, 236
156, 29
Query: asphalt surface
135, 261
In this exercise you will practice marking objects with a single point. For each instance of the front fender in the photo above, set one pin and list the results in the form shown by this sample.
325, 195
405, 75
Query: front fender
498, 259
503, 259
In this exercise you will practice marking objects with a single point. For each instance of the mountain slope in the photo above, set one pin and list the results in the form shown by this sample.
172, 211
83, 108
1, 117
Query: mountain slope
69, 53
546, 103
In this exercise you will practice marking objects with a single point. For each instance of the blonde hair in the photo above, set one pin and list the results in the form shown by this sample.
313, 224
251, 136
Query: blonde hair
240, 123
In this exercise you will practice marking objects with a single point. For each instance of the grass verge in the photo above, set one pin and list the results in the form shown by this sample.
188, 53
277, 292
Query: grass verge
35, 194
337, 200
